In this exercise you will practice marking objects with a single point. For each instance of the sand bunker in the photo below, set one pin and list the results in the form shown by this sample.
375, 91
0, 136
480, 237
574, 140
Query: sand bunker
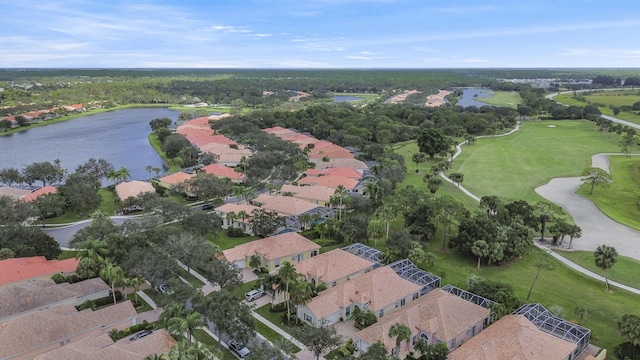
401, 97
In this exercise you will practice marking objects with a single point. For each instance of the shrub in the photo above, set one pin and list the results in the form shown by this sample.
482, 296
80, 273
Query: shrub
235, 232
278, 308
627, 351
321, 287
87, 304
348, 348
108, 299
363, 319
59, 278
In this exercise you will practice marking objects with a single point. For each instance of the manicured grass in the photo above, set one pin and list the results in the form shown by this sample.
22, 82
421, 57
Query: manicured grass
624, 115
226, 242
365, 96
273, 317
621, 199
245, 287
157, 146
624, 271
503, 98
512, 166
273, 336
407, 150
204, 338
568, 100
106, 206
562, 286
614, 98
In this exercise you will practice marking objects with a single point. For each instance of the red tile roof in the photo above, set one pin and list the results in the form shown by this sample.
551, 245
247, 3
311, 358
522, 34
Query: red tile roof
273, 247
330, 181
283, 204
12, 270
42, 191
513, 337
176, 178
223, 171
133, 188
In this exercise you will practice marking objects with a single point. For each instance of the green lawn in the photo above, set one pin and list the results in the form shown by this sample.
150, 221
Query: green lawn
512, 166
106, 206
226, 242
621, 200
407, 149
562, 286
157, 146
503, 98
191, 279
625, 270
273, 317
204, 338
609, 100
614, 98
67, 254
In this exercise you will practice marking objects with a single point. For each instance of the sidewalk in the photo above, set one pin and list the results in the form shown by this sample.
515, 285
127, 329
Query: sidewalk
305, 354
208, 287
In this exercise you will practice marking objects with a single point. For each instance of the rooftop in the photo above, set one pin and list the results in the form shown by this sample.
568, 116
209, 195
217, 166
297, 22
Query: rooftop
513, 337
317, 192
133, 188
332, 181
13, 270
377, 288
273, 247
437, 312
286, 205
333, 265
176, 178
42, 191
223, 171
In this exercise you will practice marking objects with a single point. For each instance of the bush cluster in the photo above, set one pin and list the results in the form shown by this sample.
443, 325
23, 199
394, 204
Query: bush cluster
116, 334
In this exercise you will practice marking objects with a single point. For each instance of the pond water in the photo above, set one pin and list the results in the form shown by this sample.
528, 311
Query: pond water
119, 137
469, 96
345, 98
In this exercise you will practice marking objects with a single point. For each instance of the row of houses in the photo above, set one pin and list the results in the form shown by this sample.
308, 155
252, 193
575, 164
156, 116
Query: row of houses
39, 319
42, 115
402, 293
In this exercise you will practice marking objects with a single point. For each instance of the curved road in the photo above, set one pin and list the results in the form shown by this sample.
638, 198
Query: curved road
64, 234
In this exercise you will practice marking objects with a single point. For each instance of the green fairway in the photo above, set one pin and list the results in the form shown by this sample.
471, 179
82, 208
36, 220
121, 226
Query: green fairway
512, 166
614, 98
503, 98
625, 270
603, 101
562, 286
621, 199
409, 148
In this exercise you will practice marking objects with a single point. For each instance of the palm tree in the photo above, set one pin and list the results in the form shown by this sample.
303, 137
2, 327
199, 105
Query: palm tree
178, 326
375, 230
231, 218
123, 174
114, 275
255, 261
95, 250
480, 248
287, 274
301, 293
149, 168
339, 194
373, 191
418, 158
575, 232
387, 213
243, 216
401, 332
605, 257
171, 311
582, 312
136, 283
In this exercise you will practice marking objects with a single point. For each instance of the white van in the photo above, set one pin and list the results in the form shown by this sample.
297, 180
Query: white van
253, 295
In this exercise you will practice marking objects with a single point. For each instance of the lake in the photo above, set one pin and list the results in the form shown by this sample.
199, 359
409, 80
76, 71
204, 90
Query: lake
469, 96
119, 137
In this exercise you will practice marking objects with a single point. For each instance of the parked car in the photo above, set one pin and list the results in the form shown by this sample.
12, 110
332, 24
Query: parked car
162, 288
140, 335
253, 295
239, 348
207, 206
130, 209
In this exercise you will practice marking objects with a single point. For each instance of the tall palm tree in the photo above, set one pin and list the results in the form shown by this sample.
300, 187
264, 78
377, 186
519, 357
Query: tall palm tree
178, 326
401, 332
171, 311
149, 168
604, 257
231, 218
243, 216
375, 230
123, 174
339, 194
114, 275
301, 293
386, 213
95, 250
136, 283
287, 275
255, 261
575, 232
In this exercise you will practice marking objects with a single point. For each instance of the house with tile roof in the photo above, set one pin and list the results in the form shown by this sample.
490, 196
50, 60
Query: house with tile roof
513, 337
333, 268
34, 267
318, 195
273, 251
338, 163
38, 332
13, 192
41, 191
285, 205
29, 296
332, 181
337, 171
134, 188
381, 291
323, 150
437, 316
225, 209
102, 347
174, 179
222, 171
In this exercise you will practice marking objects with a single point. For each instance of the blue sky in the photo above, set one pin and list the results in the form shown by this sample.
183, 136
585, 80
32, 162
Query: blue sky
319, 33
